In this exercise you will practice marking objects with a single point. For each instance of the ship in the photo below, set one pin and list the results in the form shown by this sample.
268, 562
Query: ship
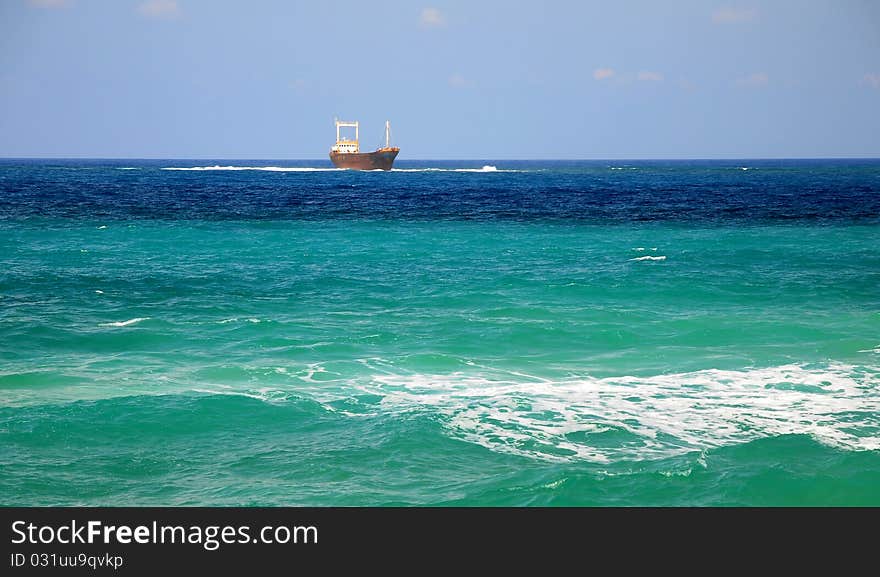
347, 154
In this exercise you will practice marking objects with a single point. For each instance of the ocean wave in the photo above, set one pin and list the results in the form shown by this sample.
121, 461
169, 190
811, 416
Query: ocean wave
485, 168
267, 395
125, 323
635, 418
263, 168
616, 419
648, 257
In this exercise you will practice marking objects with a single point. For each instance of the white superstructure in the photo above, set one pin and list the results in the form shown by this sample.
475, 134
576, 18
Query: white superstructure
343, 144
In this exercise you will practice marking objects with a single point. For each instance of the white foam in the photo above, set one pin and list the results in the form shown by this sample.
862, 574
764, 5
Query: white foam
125, 323
263, 168
266, 395
615, 419
649, 257
99, 291
655, 417
308, 375
485, 168
127, 168
236, 319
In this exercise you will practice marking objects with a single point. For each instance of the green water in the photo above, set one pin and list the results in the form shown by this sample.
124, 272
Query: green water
377, 362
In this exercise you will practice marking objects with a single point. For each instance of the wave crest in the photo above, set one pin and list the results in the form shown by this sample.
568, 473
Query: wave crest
634, 418
125, 323
649, 257
262, 168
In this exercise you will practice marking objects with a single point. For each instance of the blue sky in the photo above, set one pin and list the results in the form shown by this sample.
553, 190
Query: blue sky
457, 79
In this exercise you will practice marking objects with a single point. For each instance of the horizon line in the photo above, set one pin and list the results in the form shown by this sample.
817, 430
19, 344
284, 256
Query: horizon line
876, 156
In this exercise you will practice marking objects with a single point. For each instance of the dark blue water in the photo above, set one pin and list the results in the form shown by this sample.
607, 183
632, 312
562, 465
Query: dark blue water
603, 192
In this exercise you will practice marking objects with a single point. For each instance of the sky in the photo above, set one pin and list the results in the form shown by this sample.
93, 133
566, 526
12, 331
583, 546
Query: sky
466, 79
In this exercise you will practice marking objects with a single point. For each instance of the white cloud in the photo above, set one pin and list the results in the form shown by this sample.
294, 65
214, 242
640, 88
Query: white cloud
432, 18
160, 9
456, 80
733, 15
871, 79
48, 3
755, 79
603, 73
648, 76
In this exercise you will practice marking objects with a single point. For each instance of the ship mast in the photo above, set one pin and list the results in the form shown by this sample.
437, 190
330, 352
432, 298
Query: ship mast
387, 134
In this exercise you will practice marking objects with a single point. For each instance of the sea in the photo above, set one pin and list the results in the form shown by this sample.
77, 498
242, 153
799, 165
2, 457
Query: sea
449, 333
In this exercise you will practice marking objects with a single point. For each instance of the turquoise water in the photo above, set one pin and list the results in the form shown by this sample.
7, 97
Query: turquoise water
567, 334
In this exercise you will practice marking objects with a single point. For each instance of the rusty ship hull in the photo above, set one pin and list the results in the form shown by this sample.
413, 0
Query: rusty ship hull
380, 159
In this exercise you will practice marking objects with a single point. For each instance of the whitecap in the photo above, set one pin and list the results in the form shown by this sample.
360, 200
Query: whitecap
656, 417
485, 168
236, 319
125, 323
648, 257
262, 168
265, 395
